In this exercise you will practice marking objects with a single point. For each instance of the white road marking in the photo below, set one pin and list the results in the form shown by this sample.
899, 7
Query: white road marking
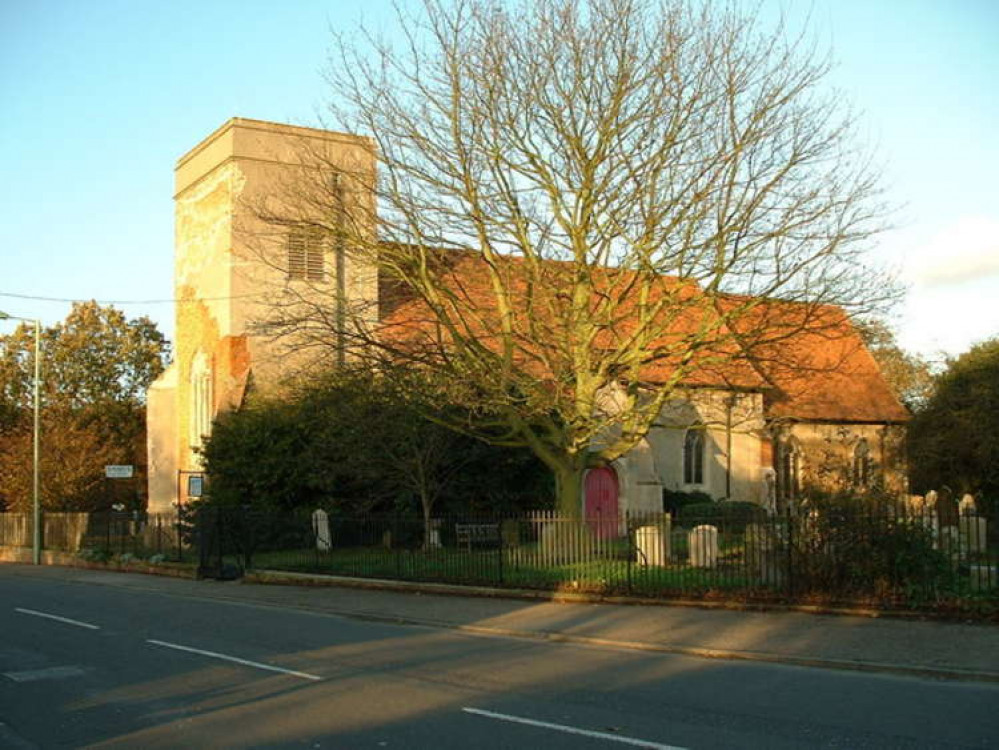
57, 618
571, 730
236, 660
51, 673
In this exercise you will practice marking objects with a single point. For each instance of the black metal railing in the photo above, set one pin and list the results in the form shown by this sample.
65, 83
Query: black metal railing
884, 556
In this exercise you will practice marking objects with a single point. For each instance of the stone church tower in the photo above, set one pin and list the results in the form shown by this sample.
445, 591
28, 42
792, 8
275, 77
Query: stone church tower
248, 201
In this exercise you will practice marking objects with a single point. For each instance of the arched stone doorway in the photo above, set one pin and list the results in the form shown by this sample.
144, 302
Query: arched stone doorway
601, 501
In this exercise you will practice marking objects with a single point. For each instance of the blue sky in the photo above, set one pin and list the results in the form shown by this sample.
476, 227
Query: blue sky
101, 97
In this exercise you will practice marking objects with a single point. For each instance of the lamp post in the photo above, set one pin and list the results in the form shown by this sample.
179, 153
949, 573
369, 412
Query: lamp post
36, 546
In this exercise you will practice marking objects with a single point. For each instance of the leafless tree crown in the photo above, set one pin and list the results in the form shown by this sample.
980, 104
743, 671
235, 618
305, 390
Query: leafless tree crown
574, 197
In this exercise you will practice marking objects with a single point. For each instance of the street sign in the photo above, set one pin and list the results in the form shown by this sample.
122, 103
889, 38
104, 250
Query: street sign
119, 472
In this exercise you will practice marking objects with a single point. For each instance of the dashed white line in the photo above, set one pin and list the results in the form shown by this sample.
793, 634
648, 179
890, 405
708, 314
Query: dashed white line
234, 659
571, 730
57, 618
50, 673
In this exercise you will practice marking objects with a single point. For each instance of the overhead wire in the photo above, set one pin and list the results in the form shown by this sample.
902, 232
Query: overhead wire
37, 298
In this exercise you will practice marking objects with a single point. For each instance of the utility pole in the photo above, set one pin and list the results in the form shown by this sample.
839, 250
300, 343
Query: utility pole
36, 544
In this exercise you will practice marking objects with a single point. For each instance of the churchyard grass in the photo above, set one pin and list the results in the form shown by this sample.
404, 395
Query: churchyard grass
483, 567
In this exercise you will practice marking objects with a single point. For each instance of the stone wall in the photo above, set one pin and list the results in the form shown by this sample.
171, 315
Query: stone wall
734, 427
828, 451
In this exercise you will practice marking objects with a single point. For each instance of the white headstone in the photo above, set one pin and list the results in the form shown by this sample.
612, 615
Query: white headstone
761, 552
770, 490
983, 577
929, 521
653, 543
759, 537
321, 528
703, 541
948, 539
972, 530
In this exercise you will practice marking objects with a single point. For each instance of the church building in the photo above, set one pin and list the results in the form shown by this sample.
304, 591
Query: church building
765, 436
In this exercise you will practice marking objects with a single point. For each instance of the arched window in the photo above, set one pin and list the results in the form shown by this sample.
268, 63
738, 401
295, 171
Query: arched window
862, 463
789, 470
200, 419
693, 455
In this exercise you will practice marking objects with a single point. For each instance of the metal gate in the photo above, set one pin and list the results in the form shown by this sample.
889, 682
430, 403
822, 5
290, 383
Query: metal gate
222, 552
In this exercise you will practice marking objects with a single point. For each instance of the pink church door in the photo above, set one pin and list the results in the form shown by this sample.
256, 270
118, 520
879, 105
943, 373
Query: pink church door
600, 491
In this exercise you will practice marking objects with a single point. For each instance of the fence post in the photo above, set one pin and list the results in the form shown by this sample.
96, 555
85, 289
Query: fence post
394, 541
180, 544
631, 552
314, 525
499, 549
790, 552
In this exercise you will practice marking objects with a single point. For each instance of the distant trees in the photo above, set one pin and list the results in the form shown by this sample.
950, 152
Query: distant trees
908, 375
954, 438
96, 365
352, 443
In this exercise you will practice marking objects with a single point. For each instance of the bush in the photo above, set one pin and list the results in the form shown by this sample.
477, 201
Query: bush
351, 445
674, 500
729, 515
98, 555
858, 549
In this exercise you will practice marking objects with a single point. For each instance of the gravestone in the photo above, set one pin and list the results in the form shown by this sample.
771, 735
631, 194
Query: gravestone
434, 538
653, 543
703, 542
928, 515
930, 502
770, 491
321, 530
566, 541
949, 540
972, 530
761, 553
983, 577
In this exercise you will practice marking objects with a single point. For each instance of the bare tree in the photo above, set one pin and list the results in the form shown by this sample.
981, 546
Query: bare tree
584, 205
910, 375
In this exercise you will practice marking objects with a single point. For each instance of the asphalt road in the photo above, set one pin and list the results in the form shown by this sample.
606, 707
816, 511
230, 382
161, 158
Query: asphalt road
145, 669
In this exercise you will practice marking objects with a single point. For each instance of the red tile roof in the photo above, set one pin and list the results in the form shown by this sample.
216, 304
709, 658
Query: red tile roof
820, 370
809, 361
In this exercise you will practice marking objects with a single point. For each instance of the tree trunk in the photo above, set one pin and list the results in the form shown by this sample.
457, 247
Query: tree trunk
427, 504
569, 487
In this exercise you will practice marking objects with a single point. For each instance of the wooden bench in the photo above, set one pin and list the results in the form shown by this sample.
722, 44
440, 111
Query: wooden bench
479, 534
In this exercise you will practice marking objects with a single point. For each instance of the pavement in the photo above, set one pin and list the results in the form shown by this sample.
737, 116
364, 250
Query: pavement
907, 646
